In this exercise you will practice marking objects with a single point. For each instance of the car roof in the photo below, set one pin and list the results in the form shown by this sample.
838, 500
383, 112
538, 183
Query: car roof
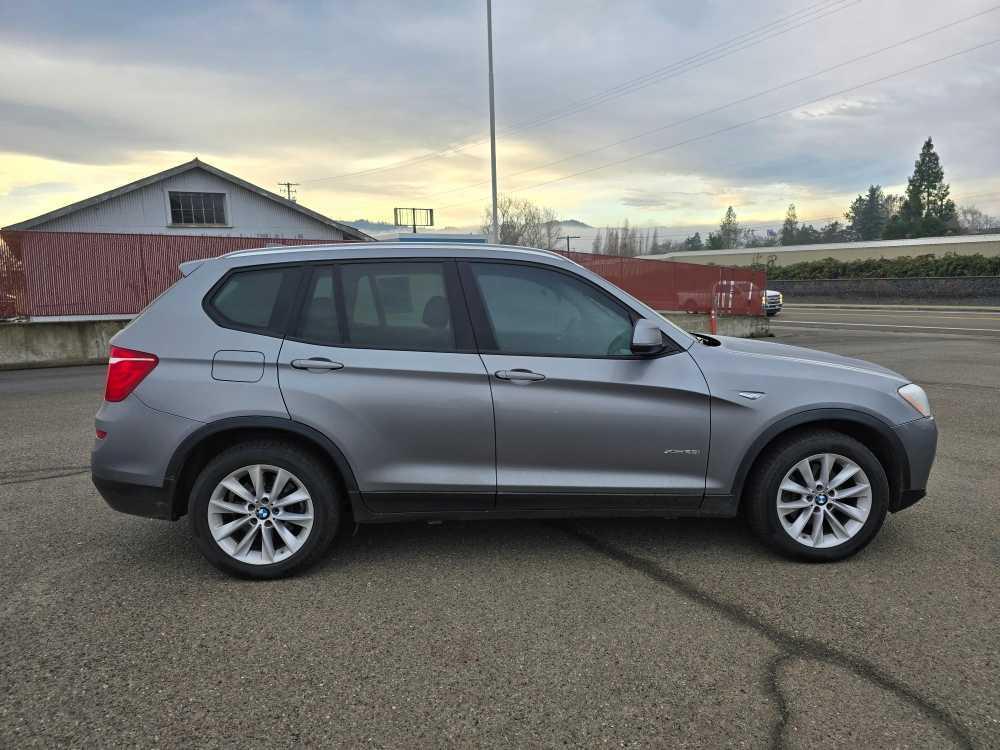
392, 249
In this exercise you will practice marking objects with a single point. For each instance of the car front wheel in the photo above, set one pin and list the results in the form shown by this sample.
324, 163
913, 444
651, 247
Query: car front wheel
820, 496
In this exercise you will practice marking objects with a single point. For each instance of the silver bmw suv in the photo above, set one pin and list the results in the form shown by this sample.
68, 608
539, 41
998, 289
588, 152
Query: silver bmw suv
276, 396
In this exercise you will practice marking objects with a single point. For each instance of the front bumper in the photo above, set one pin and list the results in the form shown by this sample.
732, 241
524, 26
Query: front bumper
919, 440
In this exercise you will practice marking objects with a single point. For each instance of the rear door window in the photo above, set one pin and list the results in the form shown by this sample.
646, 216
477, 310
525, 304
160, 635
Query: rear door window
385, 305
320, 321
397, 306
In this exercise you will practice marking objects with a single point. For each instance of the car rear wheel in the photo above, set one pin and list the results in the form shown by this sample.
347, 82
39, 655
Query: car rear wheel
820, 496
264, 510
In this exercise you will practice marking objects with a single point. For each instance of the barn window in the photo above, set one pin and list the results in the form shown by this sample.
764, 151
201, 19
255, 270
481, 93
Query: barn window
198, 208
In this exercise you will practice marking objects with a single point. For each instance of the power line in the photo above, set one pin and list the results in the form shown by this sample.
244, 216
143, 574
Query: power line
813, 13
744, 123
667, 73
732, 103
740, 38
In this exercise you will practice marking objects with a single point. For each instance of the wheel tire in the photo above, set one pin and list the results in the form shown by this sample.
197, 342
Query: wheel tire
316, 479
761, 499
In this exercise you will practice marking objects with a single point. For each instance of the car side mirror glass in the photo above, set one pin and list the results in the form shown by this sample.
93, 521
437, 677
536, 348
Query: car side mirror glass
647, 338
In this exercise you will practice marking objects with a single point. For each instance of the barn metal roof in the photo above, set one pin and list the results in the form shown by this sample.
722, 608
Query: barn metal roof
195, 163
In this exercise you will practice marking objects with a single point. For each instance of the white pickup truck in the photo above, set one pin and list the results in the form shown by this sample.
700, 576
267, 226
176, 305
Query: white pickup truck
773, 302
728, 297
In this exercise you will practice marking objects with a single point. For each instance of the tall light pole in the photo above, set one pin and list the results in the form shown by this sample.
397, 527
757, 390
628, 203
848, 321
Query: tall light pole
494, 227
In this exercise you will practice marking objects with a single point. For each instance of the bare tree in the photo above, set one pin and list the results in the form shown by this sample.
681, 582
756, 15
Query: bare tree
523, 223
598, 245
974, 221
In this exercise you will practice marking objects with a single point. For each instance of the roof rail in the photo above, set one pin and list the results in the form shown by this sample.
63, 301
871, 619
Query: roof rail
393, 244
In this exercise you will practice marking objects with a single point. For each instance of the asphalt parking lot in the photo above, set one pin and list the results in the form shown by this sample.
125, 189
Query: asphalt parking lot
625, 633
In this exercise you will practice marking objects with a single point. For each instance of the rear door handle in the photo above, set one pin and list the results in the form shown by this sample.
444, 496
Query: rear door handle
519, 375
316, 364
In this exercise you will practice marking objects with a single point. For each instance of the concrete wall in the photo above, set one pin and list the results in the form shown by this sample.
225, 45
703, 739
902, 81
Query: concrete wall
969, 290
743, 326
26, 345
985, 244
29, 345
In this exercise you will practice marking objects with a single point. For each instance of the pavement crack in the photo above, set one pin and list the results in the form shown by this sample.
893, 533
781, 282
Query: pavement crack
792, 646
35, 475
774, 667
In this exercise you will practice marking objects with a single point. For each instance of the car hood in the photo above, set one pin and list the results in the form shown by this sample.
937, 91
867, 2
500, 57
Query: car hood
799, 356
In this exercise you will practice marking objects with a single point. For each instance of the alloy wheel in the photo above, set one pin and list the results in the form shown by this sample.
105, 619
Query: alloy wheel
824, 500
260, 514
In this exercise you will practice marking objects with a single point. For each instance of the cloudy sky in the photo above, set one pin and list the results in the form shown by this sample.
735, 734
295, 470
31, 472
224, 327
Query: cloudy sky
662, 112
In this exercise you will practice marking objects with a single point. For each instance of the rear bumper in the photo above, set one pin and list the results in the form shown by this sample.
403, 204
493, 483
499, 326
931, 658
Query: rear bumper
136, 499
919, 440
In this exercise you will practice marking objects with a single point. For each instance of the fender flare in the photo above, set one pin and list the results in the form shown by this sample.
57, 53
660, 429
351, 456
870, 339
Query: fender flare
331, 449
825, 414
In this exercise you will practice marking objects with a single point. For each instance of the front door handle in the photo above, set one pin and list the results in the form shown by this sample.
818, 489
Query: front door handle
316, 364
519, 375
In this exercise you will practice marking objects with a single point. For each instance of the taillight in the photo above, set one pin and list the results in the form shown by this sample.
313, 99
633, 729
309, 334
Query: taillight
126, 369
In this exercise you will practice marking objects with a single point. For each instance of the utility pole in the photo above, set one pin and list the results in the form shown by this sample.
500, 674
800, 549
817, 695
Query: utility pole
494, 228
289, 192
568, 237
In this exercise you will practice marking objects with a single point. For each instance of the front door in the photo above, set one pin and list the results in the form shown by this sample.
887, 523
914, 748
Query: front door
382, 361
581, 422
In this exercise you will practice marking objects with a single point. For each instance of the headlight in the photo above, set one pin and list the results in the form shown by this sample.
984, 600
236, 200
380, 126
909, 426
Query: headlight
781, 297
914, 395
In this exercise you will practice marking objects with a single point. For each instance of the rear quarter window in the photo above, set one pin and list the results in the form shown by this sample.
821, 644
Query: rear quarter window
253, 300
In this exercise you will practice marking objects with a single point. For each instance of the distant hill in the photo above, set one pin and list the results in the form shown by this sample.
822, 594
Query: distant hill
370, 227
384, 227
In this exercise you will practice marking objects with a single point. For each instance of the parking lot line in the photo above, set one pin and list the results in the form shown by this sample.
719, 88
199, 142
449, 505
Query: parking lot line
886, 325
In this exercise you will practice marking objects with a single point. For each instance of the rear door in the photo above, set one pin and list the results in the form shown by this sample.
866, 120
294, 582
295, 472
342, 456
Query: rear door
581, 422
382, 360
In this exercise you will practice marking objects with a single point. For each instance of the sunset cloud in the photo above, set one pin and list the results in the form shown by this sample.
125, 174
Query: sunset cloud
94, 95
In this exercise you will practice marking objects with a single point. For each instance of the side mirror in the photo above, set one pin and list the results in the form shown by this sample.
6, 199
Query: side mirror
647, 338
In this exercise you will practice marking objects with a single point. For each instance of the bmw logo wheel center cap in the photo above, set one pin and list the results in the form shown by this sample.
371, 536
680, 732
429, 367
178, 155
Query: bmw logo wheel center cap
821, 499
263, 513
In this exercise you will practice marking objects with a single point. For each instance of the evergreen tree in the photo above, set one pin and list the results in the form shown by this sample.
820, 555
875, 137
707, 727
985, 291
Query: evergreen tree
870, 213
790, 229
729, 231
598, 244
694, 242
836, 232
808, 235
654, 243
927, 211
